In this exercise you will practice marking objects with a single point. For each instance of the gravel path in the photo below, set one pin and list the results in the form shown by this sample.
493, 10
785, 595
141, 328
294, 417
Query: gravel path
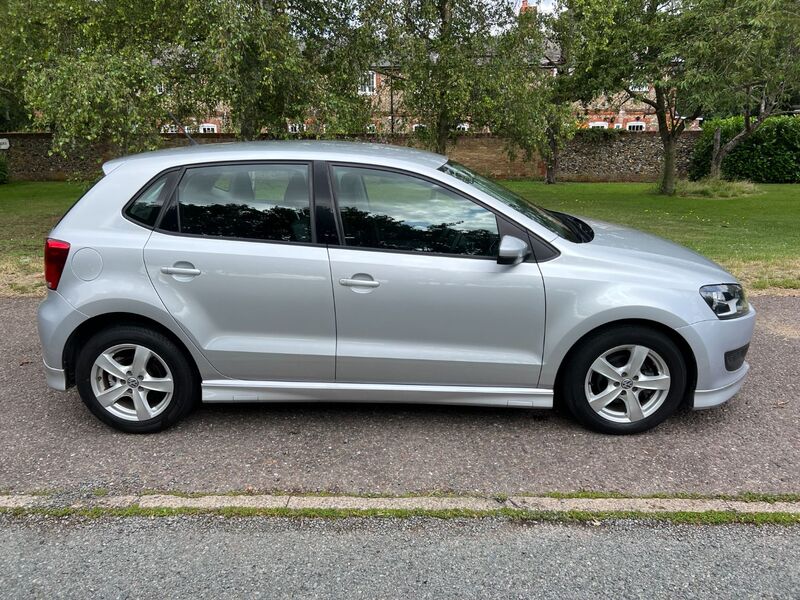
195, 557
50, 441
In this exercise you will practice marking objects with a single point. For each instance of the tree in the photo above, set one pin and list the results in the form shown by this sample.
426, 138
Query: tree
113, 71
559, 115
753, 60
461, 61
631, 45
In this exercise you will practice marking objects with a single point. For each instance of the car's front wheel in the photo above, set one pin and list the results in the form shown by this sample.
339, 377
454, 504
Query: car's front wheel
135, 379
625, 380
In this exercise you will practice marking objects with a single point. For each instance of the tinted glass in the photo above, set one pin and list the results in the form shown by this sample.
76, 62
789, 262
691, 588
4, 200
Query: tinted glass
509, 198
381, 209
146, 207
263, 202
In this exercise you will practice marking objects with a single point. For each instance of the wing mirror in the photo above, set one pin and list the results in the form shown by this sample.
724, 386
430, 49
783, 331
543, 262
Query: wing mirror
512, 251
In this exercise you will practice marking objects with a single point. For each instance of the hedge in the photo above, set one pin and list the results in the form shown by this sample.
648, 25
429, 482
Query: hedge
3, 169
770, 155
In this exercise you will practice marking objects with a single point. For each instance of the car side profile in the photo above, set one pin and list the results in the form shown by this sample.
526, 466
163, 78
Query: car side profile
332, 271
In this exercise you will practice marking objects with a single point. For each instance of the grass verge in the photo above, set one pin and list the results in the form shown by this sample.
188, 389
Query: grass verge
694, 518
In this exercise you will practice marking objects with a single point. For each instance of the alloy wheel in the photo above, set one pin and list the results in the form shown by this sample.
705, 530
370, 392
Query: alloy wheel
627, 383
132, 382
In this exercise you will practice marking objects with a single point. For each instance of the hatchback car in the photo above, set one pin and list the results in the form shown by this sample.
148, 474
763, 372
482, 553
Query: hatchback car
330, 271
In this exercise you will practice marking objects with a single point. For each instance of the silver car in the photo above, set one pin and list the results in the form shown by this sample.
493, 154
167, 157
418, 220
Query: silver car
328, 271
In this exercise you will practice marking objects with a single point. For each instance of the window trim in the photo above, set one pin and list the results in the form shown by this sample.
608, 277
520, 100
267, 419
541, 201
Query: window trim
503, 222
222, 163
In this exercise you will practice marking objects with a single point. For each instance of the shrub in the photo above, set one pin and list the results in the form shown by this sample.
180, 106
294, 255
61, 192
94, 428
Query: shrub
770, 155
3, 169
716, 188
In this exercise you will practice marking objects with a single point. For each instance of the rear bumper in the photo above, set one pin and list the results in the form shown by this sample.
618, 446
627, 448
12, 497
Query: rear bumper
57, 319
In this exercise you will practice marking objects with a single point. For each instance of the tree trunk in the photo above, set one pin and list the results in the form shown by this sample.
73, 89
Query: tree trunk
666, 184
716, 155
721, 151
551, 164
247, 130
442, 133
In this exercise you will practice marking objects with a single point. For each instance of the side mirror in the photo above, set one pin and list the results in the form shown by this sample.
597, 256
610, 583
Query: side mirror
512, 251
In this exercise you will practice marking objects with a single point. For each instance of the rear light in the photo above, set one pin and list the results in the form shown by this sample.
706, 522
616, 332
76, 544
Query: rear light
55, 257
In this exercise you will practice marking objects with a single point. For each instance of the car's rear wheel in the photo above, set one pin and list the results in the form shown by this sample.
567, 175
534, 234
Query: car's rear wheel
624, 380
135, 379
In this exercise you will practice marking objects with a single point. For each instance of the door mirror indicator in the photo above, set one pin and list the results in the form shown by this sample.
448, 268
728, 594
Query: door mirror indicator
512, 251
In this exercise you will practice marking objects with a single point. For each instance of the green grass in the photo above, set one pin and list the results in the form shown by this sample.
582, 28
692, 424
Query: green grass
28, 211
756, 237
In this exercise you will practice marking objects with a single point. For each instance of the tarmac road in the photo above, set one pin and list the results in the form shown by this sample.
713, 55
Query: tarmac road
50, 441
193, 557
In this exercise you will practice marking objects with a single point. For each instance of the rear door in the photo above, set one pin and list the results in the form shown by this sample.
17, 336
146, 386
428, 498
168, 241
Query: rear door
235, 262
420, 297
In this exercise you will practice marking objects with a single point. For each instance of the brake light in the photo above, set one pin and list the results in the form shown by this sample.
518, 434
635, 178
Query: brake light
55, 257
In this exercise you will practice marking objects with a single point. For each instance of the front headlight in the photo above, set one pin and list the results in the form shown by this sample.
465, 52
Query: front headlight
725, 299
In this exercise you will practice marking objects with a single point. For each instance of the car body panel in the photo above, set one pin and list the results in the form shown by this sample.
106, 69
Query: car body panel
257, 310
437, 320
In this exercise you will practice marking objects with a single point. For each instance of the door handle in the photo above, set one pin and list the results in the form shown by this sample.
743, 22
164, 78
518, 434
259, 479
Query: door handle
185, 271
368, 283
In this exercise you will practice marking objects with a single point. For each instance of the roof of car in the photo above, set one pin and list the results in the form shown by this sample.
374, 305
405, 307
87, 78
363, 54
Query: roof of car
371, 153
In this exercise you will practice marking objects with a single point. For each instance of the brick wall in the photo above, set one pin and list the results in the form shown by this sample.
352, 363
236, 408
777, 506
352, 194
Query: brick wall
618, 156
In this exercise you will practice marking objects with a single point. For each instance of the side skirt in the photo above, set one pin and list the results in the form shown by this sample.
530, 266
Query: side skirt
232, 390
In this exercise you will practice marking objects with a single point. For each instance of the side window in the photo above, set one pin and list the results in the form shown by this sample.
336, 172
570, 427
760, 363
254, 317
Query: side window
146, 207
260, 202
392, 211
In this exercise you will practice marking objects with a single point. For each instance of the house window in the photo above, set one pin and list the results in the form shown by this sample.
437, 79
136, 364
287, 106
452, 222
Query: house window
640, 88
297, 127
637, 126
419, 127
598, 125
367, 85
617, 125
208, 128
170, 128
160, 89
462, 127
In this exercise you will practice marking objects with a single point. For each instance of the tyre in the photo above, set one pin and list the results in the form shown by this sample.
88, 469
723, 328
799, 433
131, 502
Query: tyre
136, 379
624, 380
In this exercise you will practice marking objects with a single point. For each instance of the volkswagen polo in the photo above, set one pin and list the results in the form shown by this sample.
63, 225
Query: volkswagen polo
332, 271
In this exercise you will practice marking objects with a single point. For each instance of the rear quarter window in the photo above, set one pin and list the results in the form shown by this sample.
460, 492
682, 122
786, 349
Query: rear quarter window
145, 208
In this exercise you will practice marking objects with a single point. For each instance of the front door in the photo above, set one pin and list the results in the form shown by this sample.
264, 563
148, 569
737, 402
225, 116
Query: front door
420, 298
234, 262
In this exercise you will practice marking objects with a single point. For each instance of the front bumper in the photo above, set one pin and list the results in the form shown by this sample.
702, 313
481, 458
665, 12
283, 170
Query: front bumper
56, 378
710, 340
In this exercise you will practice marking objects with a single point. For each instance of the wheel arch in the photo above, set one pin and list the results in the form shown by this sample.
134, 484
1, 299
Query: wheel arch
91, 326
683, 346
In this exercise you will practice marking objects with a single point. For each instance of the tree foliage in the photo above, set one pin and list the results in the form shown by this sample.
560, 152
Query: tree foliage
460, 61
750, 66
113, 70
